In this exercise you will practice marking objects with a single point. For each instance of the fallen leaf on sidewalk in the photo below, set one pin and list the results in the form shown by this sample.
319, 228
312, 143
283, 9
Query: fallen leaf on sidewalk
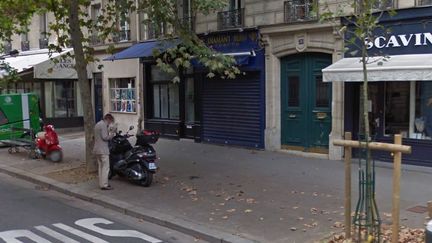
293, 229
232, 210
250, 200
338, 225
225, 217
295, 207
210, 219
314, 211
293, 192
248, 211
229, 198
315, 194
387, 215
261, 219
300, 218
221, 204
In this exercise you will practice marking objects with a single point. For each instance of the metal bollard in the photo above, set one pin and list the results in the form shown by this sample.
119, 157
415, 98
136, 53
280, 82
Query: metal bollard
428, 233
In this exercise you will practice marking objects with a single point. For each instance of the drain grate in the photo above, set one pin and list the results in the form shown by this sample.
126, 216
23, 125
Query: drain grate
418, 209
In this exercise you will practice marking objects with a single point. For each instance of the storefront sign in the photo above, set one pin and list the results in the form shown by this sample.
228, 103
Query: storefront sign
408, 32
232, 41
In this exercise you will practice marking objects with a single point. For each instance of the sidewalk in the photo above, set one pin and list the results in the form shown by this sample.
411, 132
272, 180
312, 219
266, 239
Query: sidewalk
209, 189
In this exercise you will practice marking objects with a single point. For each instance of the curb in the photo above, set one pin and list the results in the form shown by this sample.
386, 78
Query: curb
174, 223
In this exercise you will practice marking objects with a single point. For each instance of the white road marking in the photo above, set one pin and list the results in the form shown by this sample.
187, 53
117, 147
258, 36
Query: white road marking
55, 234
80, 233
12, 235
89, 223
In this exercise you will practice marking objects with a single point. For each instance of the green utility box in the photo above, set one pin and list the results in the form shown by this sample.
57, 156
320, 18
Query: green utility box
18, 112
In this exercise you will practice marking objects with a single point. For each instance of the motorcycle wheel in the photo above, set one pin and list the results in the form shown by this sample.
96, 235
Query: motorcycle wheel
147, 181
56, 156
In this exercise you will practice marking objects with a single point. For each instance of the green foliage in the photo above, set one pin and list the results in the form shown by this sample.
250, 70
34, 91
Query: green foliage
15, 16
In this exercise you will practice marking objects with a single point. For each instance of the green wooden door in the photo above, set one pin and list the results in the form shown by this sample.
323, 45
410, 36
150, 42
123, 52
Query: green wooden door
305, 102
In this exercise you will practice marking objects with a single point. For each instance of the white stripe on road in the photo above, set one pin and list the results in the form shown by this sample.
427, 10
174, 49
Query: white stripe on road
55, 235
80, 233
89, 223
12, 236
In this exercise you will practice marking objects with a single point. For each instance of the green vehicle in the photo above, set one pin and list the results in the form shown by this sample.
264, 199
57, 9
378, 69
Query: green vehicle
18, 113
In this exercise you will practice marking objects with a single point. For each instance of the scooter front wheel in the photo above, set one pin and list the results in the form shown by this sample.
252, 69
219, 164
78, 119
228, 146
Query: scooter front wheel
111, 174
147, 181
55, 156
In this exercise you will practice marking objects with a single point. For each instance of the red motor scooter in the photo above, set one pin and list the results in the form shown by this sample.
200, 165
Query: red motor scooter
47, 144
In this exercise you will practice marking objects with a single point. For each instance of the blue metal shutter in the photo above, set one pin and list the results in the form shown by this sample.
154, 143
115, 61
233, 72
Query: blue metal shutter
232, 111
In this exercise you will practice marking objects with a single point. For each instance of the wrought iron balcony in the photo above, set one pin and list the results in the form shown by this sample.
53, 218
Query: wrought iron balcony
299, 10
378, 5
95, 39
43, 43
424, 2
230, 19
122, 35
25, 45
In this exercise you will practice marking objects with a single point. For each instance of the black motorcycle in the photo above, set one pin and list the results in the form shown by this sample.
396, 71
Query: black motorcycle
136, 163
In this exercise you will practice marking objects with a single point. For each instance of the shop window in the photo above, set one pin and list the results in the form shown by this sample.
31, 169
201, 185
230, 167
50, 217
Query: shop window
122, 95
60, 99
190, 100
165, 95
423, 111
397, 107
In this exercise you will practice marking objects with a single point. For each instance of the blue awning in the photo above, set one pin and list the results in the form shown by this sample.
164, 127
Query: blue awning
143, 49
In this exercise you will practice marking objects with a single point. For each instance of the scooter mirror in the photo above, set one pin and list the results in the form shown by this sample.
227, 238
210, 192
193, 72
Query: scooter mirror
131, 128
120, 132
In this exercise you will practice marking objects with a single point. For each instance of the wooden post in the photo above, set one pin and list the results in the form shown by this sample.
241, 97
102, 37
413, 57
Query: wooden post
348, 187
396, 189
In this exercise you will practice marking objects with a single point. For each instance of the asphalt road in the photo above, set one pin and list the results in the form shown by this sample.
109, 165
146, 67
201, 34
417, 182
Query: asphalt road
29, 213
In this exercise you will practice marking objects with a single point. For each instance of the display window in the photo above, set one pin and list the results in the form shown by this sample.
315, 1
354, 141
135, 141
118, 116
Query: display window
122, 95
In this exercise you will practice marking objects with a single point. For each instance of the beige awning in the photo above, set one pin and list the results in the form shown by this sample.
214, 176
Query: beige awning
396, 68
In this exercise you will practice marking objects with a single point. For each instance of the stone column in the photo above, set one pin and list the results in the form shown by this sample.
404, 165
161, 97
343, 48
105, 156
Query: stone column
273, 112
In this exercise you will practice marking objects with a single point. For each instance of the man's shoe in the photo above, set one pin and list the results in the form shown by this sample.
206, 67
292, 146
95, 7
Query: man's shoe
107, 188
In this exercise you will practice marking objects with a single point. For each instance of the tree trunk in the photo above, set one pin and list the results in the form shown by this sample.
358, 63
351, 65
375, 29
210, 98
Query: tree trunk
81, 69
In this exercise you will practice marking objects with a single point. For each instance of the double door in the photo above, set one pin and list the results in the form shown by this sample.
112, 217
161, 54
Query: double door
306, 102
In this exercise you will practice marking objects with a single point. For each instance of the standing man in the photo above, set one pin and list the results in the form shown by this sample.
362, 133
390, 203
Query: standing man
101, 151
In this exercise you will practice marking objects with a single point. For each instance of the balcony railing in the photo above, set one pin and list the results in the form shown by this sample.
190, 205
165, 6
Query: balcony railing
378, 5
43, 43
25, 45
299, 10
424, 2
95, 39
122, 35
230, 19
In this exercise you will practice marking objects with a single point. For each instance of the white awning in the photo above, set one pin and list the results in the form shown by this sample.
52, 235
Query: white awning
396, 68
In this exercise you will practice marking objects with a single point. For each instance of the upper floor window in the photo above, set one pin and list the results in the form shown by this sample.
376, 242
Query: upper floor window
232, 17
150, 30
424, 2
25, 44
299, 10
185, 12
43, 39
123, 24
95, 39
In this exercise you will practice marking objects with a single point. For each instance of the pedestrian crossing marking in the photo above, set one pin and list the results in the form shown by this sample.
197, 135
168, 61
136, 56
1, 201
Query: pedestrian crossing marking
16, 236
55, 234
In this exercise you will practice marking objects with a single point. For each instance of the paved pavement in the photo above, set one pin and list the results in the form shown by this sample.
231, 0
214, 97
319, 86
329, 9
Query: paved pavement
34, 214
228, 192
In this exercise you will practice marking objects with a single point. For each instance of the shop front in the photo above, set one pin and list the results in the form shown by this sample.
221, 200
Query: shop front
55, 83
400, 88
233, 110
